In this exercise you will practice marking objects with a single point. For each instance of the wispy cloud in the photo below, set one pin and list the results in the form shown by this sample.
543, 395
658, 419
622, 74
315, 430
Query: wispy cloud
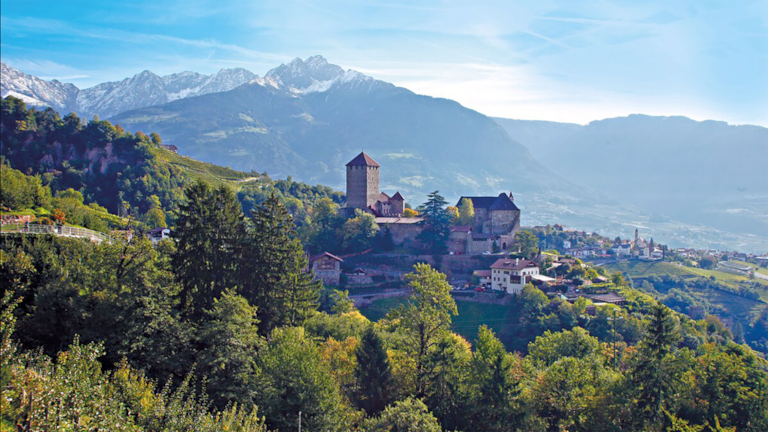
548, 59
57, 27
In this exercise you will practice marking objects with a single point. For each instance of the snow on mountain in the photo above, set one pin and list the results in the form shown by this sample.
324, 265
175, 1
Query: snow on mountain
313, 75
299, 77
35, 91
110, 98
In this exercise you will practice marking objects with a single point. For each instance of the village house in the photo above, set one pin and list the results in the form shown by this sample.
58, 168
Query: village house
327, 267
511, 275
359, 276
483, 278
158, 234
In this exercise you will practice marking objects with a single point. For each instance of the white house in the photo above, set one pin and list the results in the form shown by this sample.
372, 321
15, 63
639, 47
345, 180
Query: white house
158, 234
624, 249
566, 244
510, 275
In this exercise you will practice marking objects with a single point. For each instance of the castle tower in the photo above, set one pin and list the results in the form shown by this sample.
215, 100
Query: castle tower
362, 182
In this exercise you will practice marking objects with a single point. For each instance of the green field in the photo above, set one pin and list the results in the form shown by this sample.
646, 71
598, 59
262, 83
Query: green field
641, 269
759, 269
726, 304
471, 315
208, 172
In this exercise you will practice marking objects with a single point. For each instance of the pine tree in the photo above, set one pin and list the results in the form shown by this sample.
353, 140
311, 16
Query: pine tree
373, 373
274, 273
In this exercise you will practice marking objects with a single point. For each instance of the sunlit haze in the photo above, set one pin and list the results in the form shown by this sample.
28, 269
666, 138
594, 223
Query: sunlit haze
546, 60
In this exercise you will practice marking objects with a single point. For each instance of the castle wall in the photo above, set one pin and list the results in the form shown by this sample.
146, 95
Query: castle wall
481, 215
504, 221
404, 234
457, 241
397, 207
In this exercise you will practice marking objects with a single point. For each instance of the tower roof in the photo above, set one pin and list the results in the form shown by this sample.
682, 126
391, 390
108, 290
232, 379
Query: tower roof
397, 197
503, 203
363, 160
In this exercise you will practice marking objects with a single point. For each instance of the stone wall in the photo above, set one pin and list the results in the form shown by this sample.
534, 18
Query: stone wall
481, 215
457, 242
504, 221
405, 234
479, 246
362, 186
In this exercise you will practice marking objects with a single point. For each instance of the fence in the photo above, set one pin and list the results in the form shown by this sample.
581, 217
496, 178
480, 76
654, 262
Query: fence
61, 231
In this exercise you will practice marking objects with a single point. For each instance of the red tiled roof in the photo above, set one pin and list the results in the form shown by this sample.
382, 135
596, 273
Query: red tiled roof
363, 160
512, 264
324, 254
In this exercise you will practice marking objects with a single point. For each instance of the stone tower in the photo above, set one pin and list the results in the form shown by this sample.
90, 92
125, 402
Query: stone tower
362, 182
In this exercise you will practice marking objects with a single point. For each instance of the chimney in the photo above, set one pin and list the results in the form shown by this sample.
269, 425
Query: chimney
517, 261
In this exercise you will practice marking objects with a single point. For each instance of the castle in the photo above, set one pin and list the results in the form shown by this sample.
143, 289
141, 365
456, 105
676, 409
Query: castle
497, 218
363, 189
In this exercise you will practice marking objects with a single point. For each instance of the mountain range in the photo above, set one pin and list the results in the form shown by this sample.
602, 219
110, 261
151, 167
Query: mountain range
110, 98
699, 172
307, 118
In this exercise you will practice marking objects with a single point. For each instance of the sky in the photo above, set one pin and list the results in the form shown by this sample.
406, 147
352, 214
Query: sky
559, 60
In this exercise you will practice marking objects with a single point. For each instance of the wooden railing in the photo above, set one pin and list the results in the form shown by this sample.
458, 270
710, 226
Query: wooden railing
61, 231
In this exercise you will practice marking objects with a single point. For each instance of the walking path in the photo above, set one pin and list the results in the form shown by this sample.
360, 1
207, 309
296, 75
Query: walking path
60, 231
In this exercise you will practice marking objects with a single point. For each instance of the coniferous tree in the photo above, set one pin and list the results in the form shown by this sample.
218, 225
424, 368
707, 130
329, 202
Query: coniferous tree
230, 338
495, 392
373, 373
208, 230
653, 374
274, 273
437, 223
447, 395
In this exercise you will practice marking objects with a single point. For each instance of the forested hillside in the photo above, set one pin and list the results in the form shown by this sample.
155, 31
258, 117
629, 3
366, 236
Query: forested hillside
227, 316
224, 328
125, 173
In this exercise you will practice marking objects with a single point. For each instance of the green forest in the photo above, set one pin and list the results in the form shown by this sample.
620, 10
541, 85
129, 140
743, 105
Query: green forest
224, 328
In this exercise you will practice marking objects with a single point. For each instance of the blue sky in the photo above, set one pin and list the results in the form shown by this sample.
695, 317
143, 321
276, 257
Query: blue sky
561, 60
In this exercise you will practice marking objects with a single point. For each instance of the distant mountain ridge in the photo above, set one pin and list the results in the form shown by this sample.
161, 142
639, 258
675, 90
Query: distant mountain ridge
701, 172
110, 98
307, 117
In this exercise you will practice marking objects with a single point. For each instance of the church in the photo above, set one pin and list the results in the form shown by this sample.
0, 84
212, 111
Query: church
497, 218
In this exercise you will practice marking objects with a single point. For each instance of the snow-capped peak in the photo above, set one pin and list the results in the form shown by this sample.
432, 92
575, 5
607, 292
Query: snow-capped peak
312, 75
107, 99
